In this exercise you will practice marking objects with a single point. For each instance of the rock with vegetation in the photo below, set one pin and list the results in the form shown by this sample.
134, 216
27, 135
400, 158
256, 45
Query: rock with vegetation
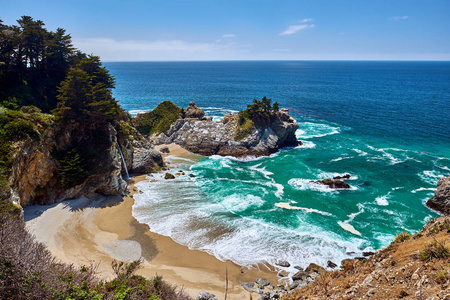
260, 130
74, 140
158, 120
441, 200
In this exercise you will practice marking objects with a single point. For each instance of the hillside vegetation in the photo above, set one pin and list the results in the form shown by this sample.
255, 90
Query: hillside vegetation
159, 119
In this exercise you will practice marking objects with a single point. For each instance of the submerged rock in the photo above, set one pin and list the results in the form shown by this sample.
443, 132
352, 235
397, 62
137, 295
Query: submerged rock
441, 199
346, 176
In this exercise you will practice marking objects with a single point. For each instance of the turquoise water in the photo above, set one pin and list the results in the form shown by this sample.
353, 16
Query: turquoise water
384, 123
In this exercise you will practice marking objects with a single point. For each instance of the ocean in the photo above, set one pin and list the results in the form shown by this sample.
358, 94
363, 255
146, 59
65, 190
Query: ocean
387, 124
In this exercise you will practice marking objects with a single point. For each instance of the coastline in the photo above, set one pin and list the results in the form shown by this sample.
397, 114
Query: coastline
96, 231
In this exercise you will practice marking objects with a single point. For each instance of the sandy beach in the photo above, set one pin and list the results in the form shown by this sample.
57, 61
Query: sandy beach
97, 231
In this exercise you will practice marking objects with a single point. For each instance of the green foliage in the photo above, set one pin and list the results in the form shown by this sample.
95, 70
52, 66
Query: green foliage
401, 237
158, 120
244, 128
443, 275
85, 95
33, 61
260, 107
71, 171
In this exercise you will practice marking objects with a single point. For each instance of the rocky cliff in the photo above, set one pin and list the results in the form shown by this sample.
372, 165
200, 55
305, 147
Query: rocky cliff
38, 167
232, 136
441, 200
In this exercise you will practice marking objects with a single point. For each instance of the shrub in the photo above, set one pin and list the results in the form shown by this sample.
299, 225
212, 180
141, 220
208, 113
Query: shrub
401, 237
435, 249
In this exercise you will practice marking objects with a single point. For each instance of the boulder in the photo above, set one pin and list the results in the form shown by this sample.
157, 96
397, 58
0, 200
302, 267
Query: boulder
315, 268
192, 111
248, 286
283, 263
262, 282
169, 176
300, 275
164, 149
441, 200
146, 160
331, 264
205, 296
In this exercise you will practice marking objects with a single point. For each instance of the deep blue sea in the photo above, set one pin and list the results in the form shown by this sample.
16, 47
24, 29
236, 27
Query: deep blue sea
387, 124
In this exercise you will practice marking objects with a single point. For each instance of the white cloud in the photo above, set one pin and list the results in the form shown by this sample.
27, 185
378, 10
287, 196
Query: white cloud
296, 28
228, 35
306, 20
117, 50
399, 18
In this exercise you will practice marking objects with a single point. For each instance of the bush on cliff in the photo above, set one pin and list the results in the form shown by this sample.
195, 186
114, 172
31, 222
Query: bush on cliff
158, 120
16, 126
257, 114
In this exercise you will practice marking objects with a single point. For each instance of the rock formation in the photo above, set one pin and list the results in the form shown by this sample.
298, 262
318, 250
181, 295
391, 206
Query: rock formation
192, 111
35, 177
203, 136
441, 199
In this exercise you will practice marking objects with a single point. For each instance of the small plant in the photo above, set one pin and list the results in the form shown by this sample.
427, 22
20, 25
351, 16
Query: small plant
402, 294
401, 237
443, 275
435, 249
124, 270
393, 263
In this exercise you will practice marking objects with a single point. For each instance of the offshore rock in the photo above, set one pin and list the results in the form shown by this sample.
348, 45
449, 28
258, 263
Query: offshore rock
441, 200
334, 184
206, 137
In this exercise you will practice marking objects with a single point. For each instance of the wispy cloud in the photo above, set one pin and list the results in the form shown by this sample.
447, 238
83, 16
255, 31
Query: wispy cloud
111, 49
228, 36
299, 27
281, 50
399, 18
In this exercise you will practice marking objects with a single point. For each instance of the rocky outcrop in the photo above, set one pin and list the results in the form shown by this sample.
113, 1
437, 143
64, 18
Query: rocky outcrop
192, 111
36, 179
441, 200
206, 137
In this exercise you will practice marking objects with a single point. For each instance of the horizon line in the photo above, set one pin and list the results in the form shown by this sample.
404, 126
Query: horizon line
281, 60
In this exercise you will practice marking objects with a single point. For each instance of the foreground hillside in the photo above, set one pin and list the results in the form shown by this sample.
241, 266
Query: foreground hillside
412, 267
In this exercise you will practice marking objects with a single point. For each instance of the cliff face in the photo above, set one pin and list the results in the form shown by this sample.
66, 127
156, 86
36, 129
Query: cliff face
441, 199
229, 137
36, 173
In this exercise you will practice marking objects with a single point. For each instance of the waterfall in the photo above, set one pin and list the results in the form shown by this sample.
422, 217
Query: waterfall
123, 159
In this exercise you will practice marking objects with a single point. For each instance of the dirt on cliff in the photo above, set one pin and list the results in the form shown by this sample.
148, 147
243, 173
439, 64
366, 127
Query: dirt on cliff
412, 267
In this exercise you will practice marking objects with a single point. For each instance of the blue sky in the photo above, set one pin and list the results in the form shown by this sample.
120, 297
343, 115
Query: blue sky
150, 30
